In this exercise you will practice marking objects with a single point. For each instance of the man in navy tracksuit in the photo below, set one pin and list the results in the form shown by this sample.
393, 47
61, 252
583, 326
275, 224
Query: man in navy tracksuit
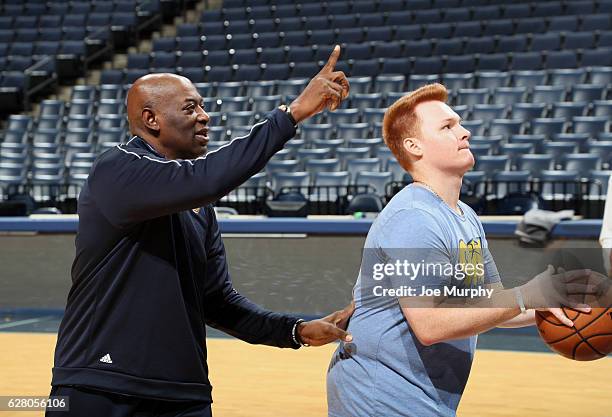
150, 268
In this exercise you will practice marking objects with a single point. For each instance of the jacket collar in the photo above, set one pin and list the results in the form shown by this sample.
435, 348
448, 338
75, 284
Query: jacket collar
142, 144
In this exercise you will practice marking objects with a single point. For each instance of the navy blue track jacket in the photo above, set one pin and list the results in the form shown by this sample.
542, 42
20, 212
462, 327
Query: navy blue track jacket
150, 270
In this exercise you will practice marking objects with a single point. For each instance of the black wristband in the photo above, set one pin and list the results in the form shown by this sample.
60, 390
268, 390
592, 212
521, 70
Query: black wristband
285, 108
295, 335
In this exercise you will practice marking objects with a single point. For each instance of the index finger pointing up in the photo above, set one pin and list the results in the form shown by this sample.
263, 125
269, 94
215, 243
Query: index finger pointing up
331, 62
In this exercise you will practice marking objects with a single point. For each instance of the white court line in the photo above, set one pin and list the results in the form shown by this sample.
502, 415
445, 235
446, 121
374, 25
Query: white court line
24, 322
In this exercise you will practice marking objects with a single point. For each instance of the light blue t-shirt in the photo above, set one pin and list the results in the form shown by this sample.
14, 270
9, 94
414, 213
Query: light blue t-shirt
386, 371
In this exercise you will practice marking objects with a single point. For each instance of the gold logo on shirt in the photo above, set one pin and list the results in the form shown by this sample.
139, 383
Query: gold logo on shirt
471, 253
196, 210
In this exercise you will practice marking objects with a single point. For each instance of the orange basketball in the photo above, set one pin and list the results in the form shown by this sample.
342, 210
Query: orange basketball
588, 340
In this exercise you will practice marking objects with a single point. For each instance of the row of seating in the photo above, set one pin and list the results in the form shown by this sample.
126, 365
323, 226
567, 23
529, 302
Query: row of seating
358, 4
294, 35
520, 83
187, 52
425, 15
376, 22
28, 13
372, 67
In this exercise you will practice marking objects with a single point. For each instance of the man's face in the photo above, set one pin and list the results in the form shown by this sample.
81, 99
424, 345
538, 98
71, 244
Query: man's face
444, 141
183, 122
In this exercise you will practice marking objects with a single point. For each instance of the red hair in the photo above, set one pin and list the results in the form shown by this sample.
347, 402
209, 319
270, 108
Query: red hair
401, 121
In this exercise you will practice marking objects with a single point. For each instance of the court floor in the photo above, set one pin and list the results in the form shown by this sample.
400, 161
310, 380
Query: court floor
259, 381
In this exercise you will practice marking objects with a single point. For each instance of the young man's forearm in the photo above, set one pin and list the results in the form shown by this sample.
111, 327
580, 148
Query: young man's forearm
522, 320
441, 323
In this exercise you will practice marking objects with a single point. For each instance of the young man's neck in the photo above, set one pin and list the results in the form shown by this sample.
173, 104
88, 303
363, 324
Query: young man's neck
446, 186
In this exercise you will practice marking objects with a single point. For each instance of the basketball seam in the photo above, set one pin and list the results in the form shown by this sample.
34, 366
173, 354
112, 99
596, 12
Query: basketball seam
588, 344
573, 327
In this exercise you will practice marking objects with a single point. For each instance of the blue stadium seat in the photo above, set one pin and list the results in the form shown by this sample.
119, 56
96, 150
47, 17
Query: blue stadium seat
597, 57
498, 27
218, 73
476, 127
363, 101
189, 59
275, 71
427, 16
511, 43
353, 130
563, 23
587, 92
290, 180
195, 75
469, 28
527, 111
568, 109
478, 45
316, 166
558, 150
260, 88
365, 67
472, 96
579, 40
547, 126
400, 17
437, 30
391, 5
604, 39
530, 25
582, 163
595, 22
272, 55
233, 104
490, 62
309, 132
505, 127
300, 54
535, 164
561, 59
508, 95
547, 94
379, 34
508, 182
356, 165
427, 65
229, 89
602, 108
294, 38
547, 9
418, 80
578, 139
566, 77
408, 32
112, 76
592, 125
492, 164
517, 11
389, 83
603, 149
545, 41
460, 64
537, 141
344, 21
454, 81
343, 116
514, 151
526, 61
492, 79
372, 20
307, 154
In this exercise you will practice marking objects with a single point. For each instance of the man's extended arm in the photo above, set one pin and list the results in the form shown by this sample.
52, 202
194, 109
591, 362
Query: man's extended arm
130, 188
229, 311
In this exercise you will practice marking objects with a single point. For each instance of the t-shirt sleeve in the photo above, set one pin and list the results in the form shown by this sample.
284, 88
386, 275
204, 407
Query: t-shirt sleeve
412, 251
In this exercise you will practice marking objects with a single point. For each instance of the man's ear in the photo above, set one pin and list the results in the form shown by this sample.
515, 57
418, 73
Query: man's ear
149, 119
413, 147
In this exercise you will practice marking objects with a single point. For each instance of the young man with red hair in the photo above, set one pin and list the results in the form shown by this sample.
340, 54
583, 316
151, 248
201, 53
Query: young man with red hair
409, 355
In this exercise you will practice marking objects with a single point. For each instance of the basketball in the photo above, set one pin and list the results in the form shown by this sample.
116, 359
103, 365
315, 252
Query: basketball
588, 340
